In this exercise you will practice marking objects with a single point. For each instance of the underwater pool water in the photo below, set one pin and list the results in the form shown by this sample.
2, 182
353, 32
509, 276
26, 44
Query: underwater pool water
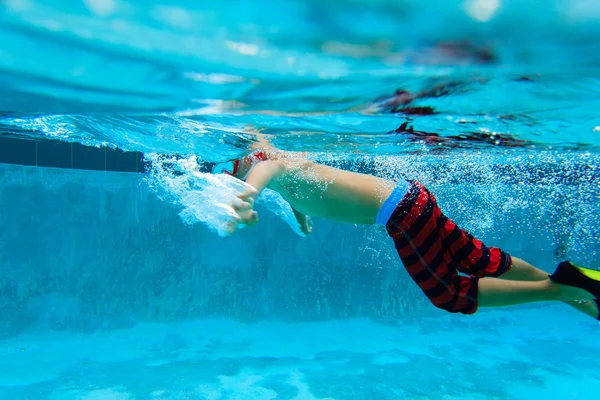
119, 286
107, 294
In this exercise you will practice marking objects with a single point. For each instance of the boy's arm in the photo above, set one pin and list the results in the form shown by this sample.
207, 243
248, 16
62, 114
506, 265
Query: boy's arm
259, 178
261, 175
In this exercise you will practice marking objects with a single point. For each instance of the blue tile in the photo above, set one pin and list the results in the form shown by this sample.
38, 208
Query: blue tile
55, 154
88, 157
17, 151
117, 160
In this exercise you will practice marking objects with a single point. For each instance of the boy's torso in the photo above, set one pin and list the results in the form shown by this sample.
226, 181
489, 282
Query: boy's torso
333, 194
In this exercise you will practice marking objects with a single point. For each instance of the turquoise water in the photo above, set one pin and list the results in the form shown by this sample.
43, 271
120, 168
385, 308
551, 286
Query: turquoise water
176, 77
113, 297
117, 286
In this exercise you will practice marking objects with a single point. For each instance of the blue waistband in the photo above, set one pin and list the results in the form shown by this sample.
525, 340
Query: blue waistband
387, 209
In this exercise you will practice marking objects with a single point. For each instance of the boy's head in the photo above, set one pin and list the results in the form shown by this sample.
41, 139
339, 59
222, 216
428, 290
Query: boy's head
241, 167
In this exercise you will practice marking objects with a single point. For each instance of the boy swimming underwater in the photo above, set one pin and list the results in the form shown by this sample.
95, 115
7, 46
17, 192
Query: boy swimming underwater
456, 271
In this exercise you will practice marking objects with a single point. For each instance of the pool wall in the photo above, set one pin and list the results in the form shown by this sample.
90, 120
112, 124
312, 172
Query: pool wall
86, 250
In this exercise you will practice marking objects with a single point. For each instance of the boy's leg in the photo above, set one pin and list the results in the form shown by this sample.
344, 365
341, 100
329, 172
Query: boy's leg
590, 308
494, 292
523, 271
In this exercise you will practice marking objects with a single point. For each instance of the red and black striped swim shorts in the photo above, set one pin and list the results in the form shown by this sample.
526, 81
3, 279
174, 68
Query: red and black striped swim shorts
444, 260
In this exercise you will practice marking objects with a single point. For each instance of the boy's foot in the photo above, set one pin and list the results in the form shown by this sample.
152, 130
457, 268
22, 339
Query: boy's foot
571, 275
597, 303
591, 307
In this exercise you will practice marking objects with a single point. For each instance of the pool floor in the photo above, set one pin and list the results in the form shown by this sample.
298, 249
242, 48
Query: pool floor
548, 352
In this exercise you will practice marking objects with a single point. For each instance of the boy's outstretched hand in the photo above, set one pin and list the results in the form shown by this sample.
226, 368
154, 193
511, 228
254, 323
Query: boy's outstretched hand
245, 214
